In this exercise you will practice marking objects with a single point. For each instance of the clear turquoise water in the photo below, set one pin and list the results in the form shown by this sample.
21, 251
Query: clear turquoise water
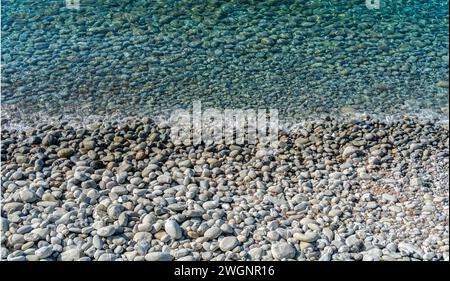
302, 57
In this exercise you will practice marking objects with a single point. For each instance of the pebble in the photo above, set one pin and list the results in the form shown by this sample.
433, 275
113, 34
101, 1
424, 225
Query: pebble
70, 255
27, 196
107, 257
212, 233
389, 197
352, 240
349, 150
44, 252
282, 250
173, 229
410, 249
164, 179
106, 231
158, 256
310, 236
228, 243
65, 152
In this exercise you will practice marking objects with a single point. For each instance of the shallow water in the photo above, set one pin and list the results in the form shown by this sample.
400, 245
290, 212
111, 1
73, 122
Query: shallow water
303, 58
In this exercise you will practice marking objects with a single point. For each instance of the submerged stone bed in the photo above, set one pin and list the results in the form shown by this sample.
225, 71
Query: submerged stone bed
334, 190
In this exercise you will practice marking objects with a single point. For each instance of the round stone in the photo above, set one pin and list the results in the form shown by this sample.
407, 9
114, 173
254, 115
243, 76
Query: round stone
212, 233
282, 250
228, 243
27, 196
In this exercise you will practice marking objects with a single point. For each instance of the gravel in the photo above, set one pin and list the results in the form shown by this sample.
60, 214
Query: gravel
311, 200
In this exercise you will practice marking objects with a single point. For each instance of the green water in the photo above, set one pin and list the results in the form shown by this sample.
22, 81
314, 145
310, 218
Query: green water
304, 58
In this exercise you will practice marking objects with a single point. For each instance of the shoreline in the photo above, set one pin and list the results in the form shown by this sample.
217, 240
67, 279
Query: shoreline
335, 190
13, 118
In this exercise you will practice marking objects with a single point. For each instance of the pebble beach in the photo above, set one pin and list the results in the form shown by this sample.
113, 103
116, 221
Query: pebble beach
89, 171
359, 190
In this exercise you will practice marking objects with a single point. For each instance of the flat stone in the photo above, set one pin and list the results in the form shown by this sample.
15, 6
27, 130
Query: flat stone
187, 258
12, 207
334, 212
140, 236
24, 229
389, 197
185, 163
177, 207
107, 257
309, 236
44, 252
106, 231
70, 255
119, 190
17, 175
65, 152
164, 179
212, 233
158, 256
210, 205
